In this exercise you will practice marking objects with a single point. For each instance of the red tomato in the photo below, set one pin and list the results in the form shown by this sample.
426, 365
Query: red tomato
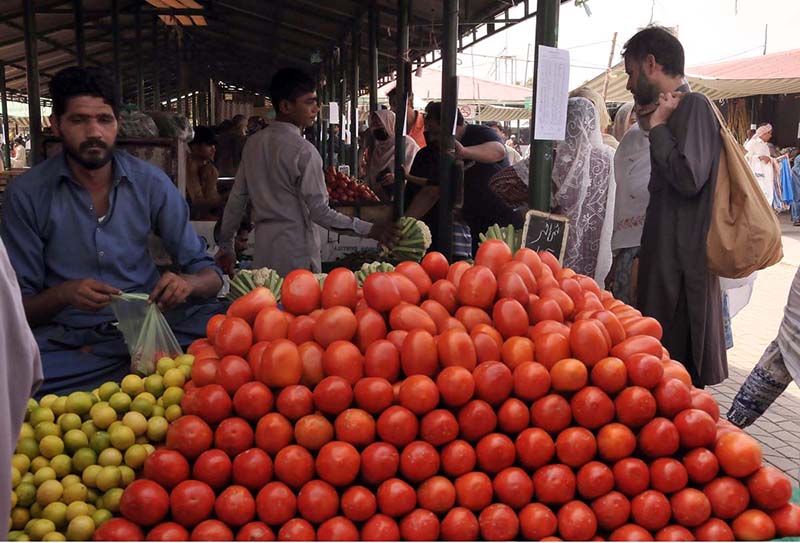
460, 524
476, 419
294, 466
419, 525
530, 258
397, 338
493, 254
635, 406
753, 525
409, 293
545, 309
252, 469
297, 529
382, 359
276, 504
672, 397
337, 529
343, 359
338, 463
233, 337
690, 507
212, 328
787, 520
435, 265
166, 531
381, 292
714, 530
419, 394
493, 382
446, 293
531, 381
358, 503
517, 350
486, 348
575, 446
587, 340
495, 453
340, 288
317, 501
658, 438
398, 426
408, 317
190, 436
313, 431
569, 375
637, 344
419, 354
594, 479
472, 317
576, 521
301, 293
380, 528
235, 506
667, 475
554, 484
437, 494
615, 441
646, 326
537, 521
166, 467
674, 533
204, 371
592, 408
417, 275
535, 448
551, 413
696, 428
273, 432
419, 461
294, 402
498, 522
630, 532
438, 427
612, 325
510, 318
478, 287
550, 348
611, 510
252, 401
644, 370
396, 498
474, 490
513, 487
232, 436
651, 510
436, 311
253, 358
144, 502
511, 285
214, 468
373, 394
701, 464
213, 404
119, 529
769, 488
631, 476
456, 348
371, 327
333, 395
337, 323
379, 462
458, 457
301, 329
270, 324
739, 454
513, 416
355, 426
281, 365
255, 531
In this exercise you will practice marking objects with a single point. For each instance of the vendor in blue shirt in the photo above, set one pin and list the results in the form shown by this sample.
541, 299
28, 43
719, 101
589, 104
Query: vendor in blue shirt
76, 228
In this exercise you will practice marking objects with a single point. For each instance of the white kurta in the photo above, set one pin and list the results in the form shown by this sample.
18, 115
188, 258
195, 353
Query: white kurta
764, 172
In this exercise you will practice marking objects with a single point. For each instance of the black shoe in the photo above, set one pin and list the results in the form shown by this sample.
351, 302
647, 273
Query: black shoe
796, 223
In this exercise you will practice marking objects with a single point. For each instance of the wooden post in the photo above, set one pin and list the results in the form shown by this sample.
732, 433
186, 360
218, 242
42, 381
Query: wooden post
608, 69
404, 7
32, 72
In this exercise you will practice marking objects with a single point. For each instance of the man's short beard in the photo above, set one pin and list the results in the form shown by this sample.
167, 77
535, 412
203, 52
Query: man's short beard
96, 161
647, 92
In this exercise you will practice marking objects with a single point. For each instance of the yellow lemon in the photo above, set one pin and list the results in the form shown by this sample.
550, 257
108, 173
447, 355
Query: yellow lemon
111, 499
120, 401
75, 440
76, 509
99, 516
39, 462
56, 512
89, 429
132, 385
164, 364
157, 429
128, 476
136, 422
104, 416
40, 528
28, 446
41, 414
80, 528
83, 458
173, 413
122, 437
184, 359
16, 476
62, 464
79, 403
59, 406
75, 492
135, 456
154, 384
110, 457
69, 421
89, 477
21, 462
44, 474
107, 390
70, 480
51, 446
49, 492
108, 478
54, 536
174, 378
46, 429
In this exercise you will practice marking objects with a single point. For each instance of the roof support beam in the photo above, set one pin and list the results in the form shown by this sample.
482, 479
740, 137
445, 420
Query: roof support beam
32, 65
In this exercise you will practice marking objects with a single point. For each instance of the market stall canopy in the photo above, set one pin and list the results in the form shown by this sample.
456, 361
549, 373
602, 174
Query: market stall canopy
776, 73
471, 90
240, 42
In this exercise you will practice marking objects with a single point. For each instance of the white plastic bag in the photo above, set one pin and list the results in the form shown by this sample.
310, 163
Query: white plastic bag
147, 333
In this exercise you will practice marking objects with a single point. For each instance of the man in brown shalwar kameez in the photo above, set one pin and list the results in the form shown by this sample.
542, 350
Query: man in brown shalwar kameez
675, 285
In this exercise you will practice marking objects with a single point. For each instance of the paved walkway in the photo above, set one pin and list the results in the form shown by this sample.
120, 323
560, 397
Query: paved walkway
753, 329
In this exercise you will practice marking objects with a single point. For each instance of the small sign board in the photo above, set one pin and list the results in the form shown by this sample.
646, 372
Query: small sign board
546, 232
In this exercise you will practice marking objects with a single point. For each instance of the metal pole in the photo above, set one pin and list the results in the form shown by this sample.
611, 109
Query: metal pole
116, 46
332, 98
447, 140
80, 43
156, 68
32, 72
179, 72
404, 6
4, 104
342, 157
139, 61
541, 169
354, 87
374, 21
323, 122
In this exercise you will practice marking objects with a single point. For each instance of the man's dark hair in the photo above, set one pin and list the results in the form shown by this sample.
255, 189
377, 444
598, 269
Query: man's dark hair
491, 124
434, 111
392, 94
75, 81
662, 44
290, 84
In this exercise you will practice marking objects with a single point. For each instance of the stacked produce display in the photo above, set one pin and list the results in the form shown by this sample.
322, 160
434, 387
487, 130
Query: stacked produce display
345, 189
509, 399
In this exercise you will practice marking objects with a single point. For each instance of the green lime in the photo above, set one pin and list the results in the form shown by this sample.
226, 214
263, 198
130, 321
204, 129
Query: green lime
174, 378
14, 499
59, 406
122, 437
172, 396
90, 474
111, 499
148, 447
79, 403
70, 479
92, 498
132, 385
81, 528
21, 462
49, 492
26, 430
165, 364
36, 510
157, 429
18, 535
75, 440
108, 478
76, 509
39, 462
100, 441
40, 528
76, 492
51, 446
44, 429
184, 359
128, 475
106, 390
44, 474
99, 516
56, 512
62, 464
120, 401
89, 429
136, 422
20, 517
41, 414
173, 413
110, 457
27, 478
47, 400
16, 476
26, 494
28, 446
154, 384
187, 371
69, 421
54, 536
83, 458
143, 406
158, 411
104, 416
135, 456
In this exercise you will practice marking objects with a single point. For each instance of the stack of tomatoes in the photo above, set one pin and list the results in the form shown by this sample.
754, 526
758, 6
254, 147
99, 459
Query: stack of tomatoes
506, 399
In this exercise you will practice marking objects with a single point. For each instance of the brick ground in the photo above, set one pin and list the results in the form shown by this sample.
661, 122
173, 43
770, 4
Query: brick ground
753, 329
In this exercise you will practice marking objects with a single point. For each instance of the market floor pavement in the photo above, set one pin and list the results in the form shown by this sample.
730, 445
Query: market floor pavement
753, 329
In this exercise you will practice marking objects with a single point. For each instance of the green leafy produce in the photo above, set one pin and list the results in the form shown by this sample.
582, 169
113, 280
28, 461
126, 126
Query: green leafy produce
415, 239
246, 280
508, 234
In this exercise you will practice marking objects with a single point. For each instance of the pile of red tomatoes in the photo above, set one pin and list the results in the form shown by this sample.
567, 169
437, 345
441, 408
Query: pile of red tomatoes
503, 400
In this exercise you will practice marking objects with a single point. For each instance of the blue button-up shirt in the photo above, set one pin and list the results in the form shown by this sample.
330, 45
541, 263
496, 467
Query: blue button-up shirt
53, 235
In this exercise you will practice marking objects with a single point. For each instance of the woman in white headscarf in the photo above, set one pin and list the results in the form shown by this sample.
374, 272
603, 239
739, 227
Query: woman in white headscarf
623, 121
584, 189
380, 153
758, 156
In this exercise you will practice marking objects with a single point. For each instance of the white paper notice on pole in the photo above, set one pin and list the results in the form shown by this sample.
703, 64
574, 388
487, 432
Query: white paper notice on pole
552, 93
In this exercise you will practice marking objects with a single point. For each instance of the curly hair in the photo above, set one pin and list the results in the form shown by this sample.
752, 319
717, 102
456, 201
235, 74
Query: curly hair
75, 81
